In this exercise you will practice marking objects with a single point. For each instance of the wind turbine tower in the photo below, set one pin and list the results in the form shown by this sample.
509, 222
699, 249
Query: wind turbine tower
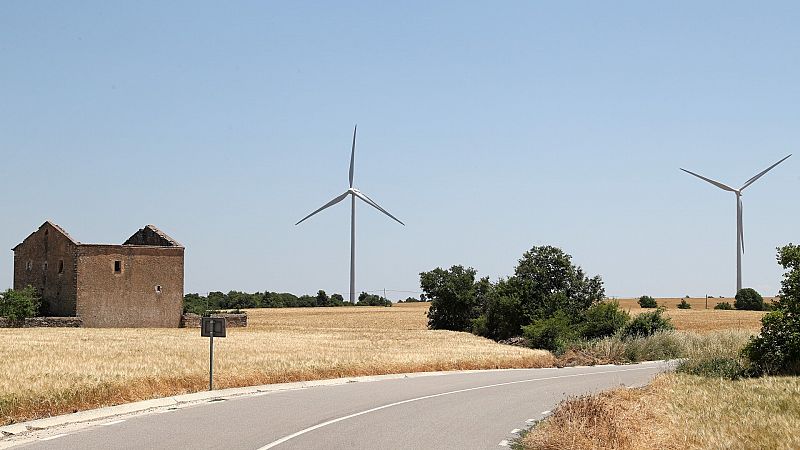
353, 193
739, 227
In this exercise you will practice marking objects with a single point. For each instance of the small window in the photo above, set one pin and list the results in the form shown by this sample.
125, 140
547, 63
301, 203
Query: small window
158, 289
117, 266
60, 266
29, 265
44, 266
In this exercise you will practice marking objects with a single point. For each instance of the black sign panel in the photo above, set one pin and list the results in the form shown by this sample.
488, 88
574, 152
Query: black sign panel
215, 324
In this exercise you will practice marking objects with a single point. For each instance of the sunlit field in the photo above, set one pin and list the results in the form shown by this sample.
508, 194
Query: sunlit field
48, 371
700, 319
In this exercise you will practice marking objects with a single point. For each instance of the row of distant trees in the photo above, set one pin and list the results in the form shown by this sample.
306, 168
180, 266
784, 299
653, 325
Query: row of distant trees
199, 304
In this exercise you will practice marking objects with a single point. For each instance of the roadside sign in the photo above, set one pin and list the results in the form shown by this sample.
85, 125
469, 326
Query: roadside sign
211, 327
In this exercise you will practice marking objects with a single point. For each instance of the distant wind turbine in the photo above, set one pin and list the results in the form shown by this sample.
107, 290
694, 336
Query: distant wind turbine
353, 193
739, 227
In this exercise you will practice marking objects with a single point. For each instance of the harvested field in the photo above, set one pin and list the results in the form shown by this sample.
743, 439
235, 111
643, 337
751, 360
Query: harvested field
678, 412
699, 319
48, 371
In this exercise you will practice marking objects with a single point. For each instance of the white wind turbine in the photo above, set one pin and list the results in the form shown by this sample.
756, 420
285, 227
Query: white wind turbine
739, 228
353, 193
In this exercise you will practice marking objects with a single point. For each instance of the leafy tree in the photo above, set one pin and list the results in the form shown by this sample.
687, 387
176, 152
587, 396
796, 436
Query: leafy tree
777, 349
337, 300
452, 295
19, 304
603, 319
323, 299
365, 299
647, 324
546, 281
749, 299
646, 301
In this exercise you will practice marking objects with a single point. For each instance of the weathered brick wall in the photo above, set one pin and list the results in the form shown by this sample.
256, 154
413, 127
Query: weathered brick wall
42, 322
191, 320
51, 257
130, 298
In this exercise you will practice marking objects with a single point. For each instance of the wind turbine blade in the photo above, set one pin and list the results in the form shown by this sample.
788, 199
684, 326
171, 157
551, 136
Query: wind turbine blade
326, 205
752, 180
740, 223
715, 183
372, 203
353, 154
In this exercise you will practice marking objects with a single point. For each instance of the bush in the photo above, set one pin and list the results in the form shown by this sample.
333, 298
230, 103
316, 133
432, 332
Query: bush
777, 349
684, 305
748, 299
19, 304
723, 305
646, 301
715, 367
658, 345
554, 333
646, 324
603, 319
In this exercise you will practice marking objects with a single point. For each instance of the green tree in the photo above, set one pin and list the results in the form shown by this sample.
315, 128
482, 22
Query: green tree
646, 301
546, 281
337, 300
777, 349
452, 295
603, 319
749, 299
19, 304
322, 298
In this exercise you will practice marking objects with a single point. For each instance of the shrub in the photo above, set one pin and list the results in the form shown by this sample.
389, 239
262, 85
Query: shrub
777, 349
723, 305
19, 304
748, 299
646, 301
646, 324
554, 333
658, 345
715, 367
684, 305
603, 319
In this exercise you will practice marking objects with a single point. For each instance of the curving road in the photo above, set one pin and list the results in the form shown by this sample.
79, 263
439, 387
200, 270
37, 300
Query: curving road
477, 410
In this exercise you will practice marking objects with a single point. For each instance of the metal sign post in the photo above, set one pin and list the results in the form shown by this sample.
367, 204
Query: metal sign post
211, 327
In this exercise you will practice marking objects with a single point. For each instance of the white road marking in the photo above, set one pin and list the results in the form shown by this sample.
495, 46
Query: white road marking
425, 397
50, 438
112, 423
515, 431
503, 443
544, 413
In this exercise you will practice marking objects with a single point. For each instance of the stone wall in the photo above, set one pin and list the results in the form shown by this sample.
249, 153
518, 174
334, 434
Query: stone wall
191, 320
42, 322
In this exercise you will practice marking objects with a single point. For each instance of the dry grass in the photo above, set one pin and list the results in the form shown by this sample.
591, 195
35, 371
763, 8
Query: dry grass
678, 411
53, 371
701, 320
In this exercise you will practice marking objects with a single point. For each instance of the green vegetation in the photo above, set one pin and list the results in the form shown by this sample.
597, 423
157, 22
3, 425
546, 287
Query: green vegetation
723, 305
684, 305
776, 351
748, 299
646, 301
19, 304
195, 303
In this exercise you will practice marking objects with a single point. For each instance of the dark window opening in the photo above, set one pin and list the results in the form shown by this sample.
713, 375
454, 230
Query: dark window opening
158, 289
117, 266
46, 231
61, 266
29, 265
44, 266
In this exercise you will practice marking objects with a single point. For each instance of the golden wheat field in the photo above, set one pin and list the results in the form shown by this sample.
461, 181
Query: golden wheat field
699, 319
48, 371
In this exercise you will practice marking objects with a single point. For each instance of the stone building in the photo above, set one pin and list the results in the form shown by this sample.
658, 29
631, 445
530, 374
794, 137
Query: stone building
136, 284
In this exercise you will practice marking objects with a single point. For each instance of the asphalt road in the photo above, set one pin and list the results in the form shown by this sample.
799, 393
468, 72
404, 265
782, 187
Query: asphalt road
453, 411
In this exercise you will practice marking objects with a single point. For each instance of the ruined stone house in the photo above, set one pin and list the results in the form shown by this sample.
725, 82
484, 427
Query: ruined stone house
136, 284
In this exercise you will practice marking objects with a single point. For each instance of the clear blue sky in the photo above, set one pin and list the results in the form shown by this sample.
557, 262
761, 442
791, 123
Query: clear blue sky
487, 127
